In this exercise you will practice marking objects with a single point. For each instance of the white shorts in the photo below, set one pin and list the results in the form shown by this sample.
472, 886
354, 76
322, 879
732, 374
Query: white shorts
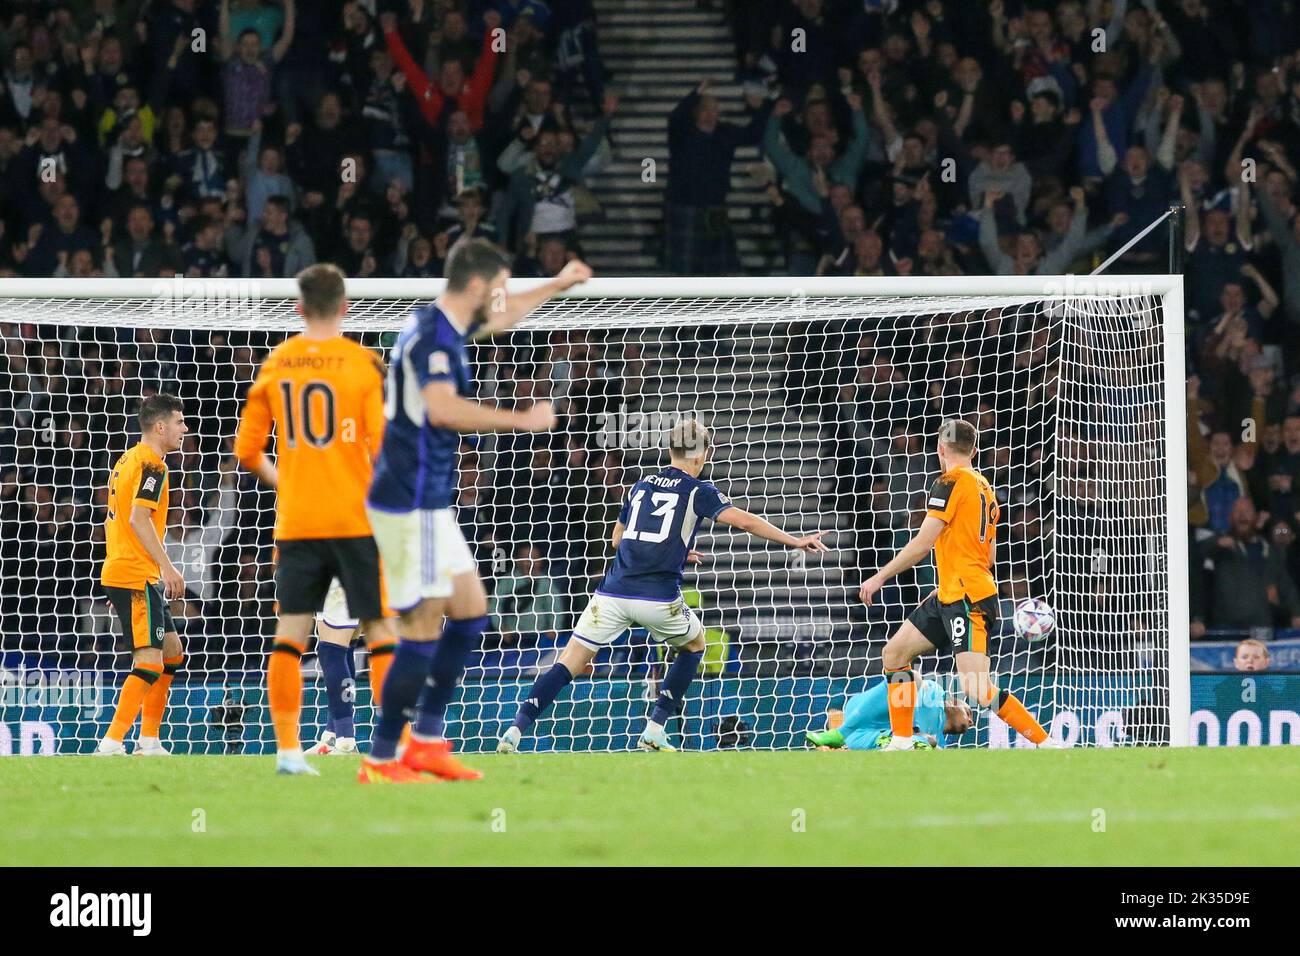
335, 613
606, 617
422, 551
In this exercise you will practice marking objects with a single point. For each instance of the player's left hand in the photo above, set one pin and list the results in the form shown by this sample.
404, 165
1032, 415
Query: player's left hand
869, 588
575, 272
694, 557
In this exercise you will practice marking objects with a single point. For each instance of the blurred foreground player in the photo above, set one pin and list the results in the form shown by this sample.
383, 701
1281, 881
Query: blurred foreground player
428, 567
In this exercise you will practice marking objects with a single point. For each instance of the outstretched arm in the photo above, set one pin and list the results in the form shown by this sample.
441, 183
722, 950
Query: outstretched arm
426, 93
446, 409
761, 528
480, 81
774, 147
223, 27
916, 549
519, 304
282, 45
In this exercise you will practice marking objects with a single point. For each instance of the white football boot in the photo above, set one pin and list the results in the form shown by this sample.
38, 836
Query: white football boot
294, 763
325, 745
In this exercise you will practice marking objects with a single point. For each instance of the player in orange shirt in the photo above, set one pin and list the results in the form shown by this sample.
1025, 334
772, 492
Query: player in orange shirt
325, 395
139, 579
960, 525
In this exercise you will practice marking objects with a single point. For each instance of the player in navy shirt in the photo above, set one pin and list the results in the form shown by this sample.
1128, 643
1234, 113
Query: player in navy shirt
416, 468
668, 509
429, 570
653, 541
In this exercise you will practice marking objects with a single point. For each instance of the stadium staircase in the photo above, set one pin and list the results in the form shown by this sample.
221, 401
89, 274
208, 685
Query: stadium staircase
769, 457
658, 50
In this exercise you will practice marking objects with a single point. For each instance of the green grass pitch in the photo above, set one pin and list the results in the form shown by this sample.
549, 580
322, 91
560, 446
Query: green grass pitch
1139, 807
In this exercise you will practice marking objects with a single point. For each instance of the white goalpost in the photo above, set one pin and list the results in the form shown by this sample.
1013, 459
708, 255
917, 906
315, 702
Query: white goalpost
823, 396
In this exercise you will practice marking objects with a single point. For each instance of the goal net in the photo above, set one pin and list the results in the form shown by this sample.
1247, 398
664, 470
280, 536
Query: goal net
824, 397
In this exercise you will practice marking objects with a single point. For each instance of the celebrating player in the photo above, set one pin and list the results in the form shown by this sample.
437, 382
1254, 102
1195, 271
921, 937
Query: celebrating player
867, 726
325, 394
652, 541
960, 526
428, 566
139, 579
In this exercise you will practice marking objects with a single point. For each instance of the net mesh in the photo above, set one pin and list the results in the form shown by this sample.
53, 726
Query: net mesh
823, 410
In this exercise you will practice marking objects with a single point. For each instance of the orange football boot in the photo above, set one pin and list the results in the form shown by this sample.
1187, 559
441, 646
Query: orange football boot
434, 756
390, 771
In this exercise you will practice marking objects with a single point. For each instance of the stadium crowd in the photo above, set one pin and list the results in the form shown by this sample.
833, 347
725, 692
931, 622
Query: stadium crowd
941, 138
930, 137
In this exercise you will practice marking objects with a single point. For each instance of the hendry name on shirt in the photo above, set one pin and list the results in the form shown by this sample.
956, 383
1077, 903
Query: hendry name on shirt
662, 481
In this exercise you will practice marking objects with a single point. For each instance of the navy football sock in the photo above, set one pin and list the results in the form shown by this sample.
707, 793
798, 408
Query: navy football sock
334, 667
402, 686
672, 695
543, 693
459, 638
352, 676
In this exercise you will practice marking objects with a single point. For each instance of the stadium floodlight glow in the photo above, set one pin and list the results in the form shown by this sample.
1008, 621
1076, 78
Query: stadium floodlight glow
820, 392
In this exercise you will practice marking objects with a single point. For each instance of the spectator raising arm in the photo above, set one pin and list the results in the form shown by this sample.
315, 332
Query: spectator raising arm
846, 168
1075, 241
426, 93
471, 99
1001, 263
1106, 155
574, 165
1191, 207
1278, 228
474, 99
1164, 149
680, 119
282, 45
1242, 197
774, 146
1268, 297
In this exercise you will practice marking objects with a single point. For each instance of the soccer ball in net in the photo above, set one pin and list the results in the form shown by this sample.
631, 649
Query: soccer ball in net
1034, 620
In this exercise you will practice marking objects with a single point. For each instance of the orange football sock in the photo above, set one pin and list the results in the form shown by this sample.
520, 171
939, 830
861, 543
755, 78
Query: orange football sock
381, 657
130, 698
155, 702
284, 691
1021, 720
902, 700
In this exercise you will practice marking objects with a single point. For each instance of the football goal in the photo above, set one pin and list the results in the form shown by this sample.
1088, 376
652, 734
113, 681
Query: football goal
824, 397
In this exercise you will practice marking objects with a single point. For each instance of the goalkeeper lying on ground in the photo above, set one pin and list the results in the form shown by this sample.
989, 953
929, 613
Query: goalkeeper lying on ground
866, 719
